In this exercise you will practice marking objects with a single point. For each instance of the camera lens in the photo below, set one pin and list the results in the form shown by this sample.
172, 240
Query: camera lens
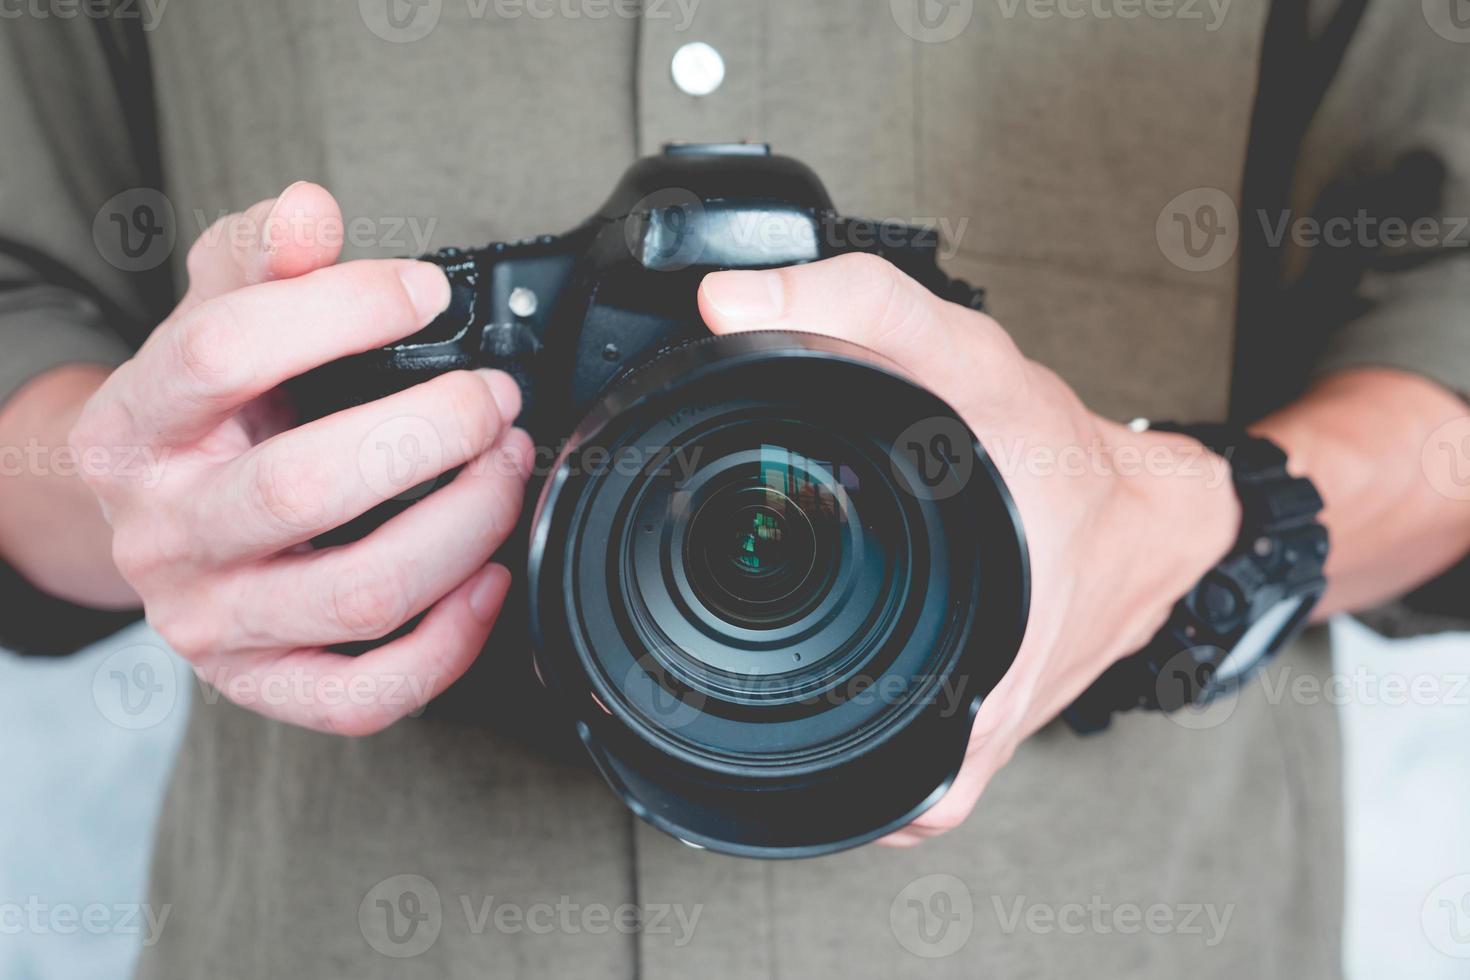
772, 622
762, 550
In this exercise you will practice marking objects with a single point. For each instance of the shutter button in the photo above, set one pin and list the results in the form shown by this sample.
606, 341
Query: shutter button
698, 68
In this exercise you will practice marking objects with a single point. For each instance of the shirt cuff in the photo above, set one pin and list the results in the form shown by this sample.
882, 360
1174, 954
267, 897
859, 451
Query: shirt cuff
45, 327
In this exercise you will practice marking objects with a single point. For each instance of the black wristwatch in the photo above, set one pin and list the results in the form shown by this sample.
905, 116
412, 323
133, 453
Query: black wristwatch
1244, 610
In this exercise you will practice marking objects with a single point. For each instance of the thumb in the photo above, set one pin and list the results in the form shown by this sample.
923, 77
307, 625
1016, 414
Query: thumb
864, 299
279, 238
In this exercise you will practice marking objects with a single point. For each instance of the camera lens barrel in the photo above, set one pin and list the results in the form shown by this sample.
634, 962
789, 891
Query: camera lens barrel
772, 579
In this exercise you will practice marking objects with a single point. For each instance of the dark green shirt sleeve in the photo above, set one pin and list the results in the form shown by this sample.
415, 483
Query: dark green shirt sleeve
69, 145
73, 136
1377, 258
1386, 160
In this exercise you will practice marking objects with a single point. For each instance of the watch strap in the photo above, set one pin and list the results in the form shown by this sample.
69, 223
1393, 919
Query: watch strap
1278, 557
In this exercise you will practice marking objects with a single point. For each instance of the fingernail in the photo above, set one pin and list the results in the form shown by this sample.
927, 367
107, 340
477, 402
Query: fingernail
485, 597
427, 288
505, 391
745, 295
522, 451
267, 242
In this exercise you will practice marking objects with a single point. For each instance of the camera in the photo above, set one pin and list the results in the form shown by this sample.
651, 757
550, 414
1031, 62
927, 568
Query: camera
768, 578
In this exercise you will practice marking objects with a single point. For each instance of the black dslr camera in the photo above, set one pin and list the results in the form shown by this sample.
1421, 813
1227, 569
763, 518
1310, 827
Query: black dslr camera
769, 578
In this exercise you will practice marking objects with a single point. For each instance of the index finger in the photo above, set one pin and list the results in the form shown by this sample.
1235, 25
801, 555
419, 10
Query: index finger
201, 368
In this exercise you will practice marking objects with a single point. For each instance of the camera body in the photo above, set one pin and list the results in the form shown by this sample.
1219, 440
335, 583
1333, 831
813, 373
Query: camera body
566, 314
769, 579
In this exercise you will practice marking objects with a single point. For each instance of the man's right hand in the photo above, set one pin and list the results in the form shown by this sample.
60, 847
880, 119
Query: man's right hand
218, 545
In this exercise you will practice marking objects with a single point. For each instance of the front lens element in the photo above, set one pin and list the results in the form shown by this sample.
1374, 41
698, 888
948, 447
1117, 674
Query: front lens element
762, 548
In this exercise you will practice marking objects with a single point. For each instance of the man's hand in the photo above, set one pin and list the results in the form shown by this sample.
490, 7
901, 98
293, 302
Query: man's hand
217, 541
1115, 537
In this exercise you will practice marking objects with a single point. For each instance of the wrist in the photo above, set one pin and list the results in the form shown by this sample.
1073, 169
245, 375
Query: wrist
51, 527
1179, 499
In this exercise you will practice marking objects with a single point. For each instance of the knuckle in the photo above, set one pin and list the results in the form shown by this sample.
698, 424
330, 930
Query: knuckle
211, 349
191, 632
139, 549
502, 512
350, 720
368, 602
293, 493
104, 419
472, 410
867, 267
88, 434
378, 284
201, 253
131, 561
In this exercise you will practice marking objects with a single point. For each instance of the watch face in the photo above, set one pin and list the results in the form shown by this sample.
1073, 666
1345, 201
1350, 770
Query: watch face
1260, 642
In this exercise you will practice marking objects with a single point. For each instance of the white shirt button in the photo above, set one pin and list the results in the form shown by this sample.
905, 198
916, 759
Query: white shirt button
698, 68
